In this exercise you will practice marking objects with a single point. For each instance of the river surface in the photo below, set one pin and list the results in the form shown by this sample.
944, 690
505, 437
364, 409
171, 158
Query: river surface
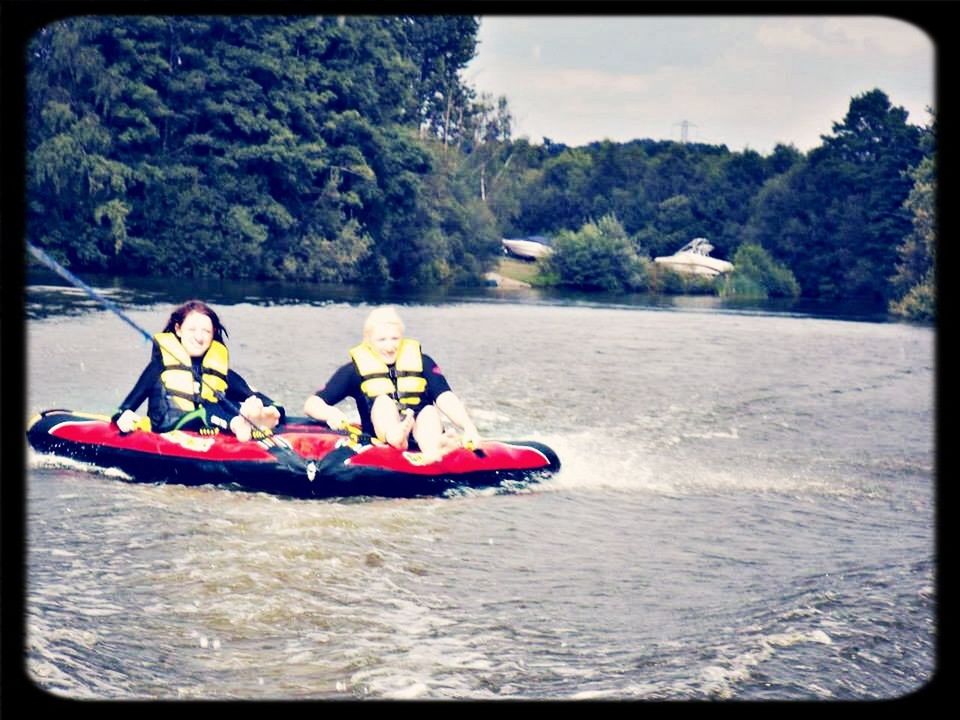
746, 511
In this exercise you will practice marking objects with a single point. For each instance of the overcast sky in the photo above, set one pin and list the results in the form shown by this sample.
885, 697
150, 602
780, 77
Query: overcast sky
741, 81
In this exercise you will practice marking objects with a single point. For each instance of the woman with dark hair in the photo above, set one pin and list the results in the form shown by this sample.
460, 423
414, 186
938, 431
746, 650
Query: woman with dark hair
187, 377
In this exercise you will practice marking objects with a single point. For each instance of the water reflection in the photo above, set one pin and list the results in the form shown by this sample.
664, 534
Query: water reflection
50, 295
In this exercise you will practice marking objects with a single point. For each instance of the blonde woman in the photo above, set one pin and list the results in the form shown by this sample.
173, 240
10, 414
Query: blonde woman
399, 391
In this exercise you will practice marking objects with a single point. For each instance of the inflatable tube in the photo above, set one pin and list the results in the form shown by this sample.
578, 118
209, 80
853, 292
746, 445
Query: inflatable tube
303, 459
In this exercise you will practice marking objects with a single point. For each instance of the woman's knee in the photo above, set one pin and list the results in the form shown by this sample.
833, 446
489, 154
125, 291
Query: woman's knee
383, 407
429, 417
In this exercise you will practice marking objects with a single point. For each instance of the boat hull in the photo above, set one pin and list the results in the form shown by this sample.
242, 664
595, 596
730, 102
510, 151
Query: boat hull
302, 460
695, 264
526, 249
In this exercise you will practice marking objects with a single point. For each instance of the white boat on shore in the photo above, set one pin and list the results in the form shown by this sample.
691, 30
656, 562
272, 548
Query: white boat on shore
526, 249
694, 259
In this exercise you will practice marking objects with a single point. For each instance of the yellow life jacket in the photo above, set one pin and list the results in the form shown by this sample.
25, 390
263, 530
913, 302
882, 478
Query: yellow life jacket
377, 379
177, 376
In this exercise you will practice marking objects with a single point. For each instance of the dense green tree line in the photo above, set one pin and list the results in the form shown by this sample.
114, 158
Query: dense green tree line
278, 147
835, 217
348, 149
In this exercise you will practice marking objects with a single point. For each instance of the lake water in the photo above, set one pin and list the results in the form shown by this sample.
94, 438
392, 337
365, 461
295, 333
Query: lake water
746, 511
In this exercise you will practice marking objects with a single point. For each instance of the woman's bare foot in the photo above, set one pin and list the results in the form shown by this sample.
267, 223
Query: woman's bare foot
446, 445
241, 428
268, 418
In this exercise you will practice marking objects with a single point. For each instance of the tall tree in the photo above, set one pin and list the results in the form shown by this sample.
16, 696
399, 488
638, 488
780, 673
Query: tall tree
440, 46
914, 283
840, 232
77, 185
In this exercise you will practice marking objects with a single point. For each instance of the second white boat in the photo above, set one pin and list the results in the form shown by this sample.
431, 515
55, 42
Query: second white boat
694, 259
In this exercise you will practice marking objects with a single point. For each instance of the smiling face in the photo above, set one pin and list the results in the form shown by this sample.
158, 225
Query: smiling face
384, 338
195, 333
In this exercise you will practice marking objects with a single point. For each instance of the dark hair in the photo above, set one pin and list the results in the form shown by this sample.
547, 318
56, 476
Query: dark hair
177, 317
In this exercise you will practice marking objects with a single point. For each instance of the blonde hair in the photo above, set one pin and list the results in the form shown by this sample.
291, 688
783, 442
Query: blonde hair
385, 315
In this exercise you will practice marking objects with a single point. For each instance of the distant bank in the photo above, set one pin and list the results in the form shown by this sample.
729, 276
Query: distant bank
512, 273
495, 279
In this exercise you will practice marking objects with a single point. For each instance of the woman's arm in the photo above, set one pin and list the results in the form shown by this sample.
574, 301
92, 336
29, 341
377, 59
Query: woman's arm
318, 409
322, 404
126, 416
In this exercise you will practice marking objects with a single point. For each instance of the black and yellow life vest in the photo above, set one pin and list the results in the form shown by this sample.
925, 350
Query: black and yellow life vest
177, 375
377, 379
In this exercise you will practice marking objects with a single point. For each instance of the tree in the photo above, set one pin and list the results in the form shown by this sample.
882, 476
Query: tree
837, 218
250, 146
558, 195
440, 46
599, 256
78, 187
757, 275
914, 282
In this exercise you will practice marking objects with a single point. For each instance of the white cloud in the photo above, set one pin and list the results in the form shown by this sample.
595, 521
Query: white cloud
741, 81
792, 35
883, 35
